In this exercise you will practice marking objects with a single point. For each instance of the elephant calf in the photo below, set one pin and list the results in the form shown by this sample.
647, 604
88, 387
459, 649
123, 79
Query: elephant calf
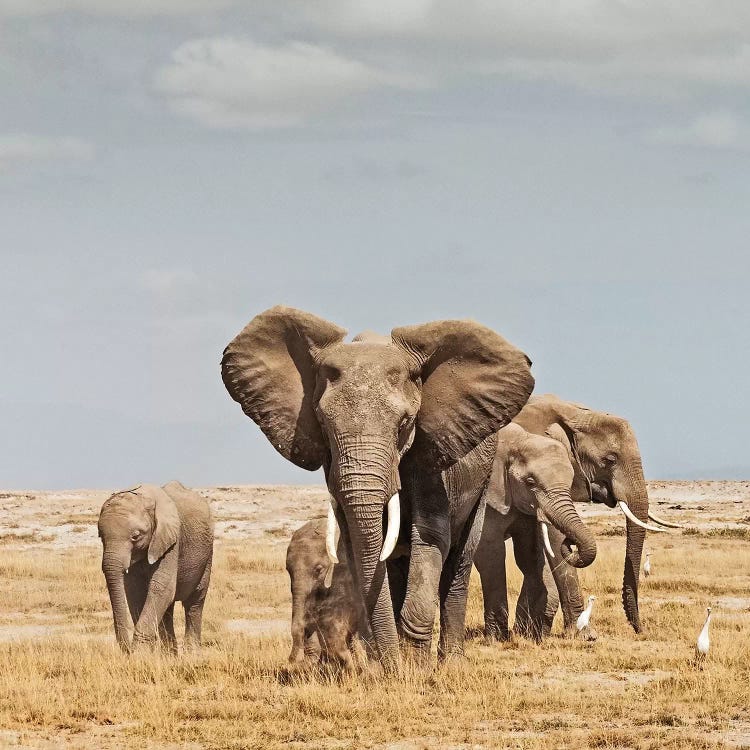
158, 546
325, 619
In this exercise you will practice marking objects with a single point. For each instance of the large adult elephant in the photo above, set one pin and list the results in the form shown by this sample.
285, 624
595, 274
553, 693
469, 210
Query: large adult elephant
608, 468
529, 488
383, 415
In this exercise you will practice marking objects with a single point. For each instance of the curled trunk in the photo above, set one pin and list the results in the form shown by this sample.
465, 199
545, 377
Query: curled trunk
561, 512
113, 568
629, 485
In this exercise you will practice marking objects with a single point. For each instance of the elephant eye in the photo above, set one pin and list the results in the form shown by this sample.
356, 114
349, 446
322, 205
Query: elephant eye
332, 374
530, 481
135, 535
610, 458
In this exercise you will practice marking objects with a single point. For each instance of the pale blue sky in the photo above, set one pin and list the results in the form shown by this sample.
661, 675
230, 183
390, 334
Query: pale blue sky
574, 174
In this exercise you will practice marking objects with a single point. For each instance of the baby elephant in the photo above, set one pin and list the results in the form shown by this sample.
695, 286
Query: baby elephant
158, 544
324, 619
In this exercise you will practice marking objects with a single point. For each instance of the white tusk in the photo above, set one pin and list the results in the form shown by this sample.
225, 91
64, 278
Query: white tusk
547, 545
329, 576
332, 533
668, 524
391, 532
629, 515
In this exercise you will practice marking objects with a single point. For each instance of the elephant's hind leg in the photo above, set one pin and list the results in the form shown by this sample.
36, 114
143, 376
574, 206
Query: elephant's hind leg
194, 611
166, 631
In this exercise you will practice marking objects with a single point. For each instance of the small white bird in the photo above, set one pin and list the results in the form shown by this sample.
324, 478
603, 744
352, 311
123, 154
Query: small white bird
704, 642
647, 566
585, 616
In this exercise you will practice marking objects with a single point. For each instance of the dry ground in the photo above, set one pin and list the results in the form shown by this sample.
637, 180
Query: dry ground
64, 684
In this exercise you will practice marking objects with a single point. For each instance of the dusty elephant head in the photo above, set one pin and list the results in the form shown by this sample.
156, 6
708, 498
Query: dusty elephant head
608, 469
138, 525
436, 390
533, 474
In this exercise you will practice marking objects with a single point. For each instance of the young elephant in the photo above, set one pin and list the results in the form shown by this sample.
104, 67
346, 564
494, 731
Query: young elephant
158, 546
325, 618
530, 486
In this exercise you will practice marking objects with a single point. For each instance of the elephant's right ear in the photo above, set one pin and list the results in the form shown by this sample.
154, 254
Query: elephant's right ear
498, 491
166, 523
565, 433
473, 383
269, 369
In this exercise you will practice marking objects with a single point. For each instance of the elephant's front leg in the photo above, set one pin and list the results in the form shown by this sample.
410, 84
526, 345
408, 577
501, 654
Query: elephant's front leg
420, 605
454, 586
160, 595
489, 560
533, 601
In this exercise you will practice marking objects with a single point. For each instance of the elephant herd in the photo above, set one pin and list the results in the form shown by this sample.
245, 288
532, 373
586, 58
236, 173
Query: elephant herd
434, 453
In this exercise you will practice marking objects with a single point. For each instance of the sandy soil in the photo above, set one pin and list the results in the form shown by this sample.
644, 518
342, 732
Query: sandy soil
66, 519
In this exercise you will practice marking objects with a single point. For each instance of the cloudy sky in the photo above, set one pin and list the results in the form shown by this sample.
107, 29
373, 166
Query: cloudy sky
575, 174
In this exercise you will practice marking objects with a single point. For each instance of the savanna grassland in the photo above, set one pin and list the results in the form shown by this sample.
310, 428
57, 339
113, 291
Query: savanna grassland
63, 682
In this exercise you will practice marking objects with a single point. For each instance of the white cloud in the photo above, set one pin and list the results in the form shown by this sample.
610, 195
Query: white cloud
636, 46
126, 8
225, 82
18, 148
712, 130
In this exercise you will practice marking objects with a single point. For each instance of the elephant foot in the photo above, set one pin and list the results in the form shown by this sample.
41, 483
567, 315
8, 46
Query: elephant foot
496, 634
529, 632
143, 643
416, 655
453, 658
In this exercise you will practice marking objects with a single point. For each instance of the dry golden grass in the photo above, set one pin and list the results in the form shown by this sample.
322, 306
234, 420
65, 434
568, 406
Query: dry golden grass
73, 688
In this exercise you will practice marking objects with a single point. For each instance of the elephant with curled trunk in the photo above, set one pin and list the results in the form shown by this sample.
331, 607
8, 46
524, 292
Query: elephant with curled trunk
157, 550
608, 468
529, 488
384, 417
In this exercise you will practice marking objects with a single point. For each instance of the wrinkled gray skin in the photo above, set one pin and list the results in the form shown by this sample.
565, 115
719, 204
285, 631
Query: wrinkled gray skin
325, 621
531, 480
157, 549
608, 469
383, 414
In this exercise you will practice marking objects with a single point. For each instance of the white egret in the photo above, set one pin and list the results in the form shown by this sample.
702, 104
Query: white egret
704, 642
585, 616
647, 566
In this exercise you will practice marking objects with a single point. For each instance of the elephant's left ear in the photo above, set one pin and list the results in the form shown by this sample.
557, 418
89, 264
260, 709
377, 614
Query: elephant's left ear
166, 525
474, 383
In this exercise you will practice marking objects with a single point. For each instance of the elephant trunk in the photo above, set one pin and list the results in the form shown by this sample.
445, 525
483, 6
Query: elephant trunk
629, 486
300, 594
114, 564
559, 509
364, 516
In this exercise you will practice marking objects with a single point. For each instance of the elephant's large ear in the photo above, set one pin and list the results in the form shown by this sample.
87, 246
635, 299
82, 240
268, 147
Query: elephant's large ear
498, 489
474, 383
166, 523
269, 370
564, 432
